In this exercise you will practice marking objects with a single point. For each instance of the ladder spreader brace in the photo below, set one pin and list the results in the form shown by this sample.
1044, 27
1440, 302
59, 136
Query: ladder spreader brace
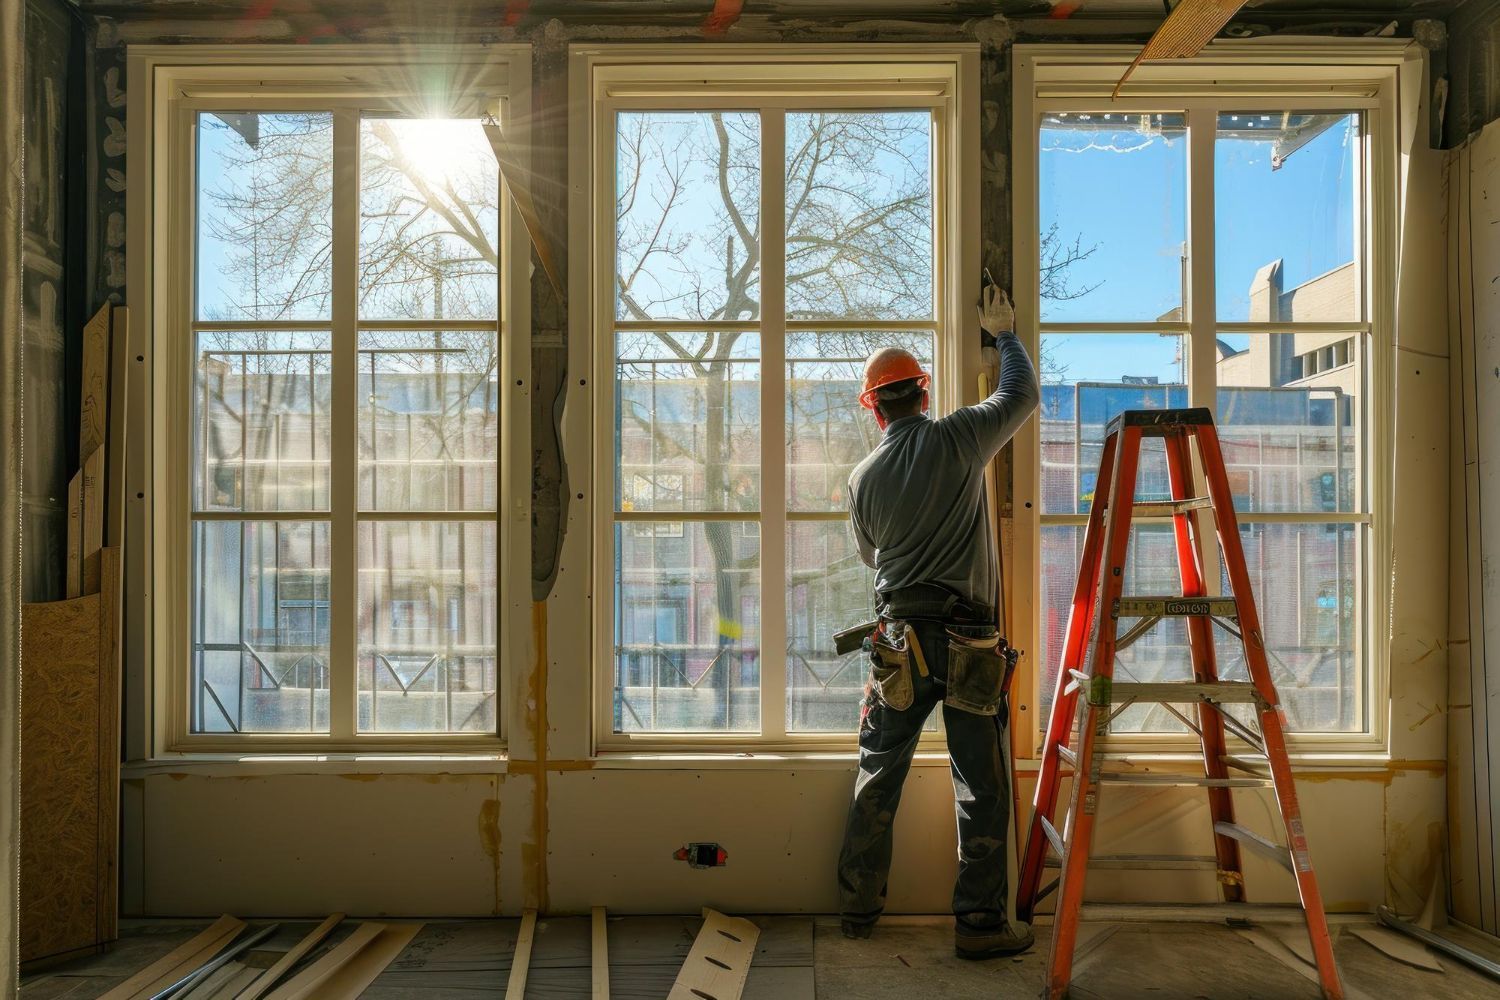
1086, 666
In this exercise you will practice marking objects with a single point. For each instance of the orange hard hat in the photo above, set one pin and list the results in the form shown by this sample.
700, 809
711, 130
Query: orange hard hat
887, 367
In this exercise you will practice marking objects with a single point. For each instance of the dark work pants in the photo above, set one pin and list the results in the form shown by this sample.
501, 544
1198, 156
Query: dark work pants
981, 788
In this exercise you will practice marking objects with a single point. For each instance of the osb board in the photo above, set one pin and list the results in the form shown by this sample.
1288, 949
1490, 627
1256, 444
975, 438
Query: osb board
70, 771
376, 845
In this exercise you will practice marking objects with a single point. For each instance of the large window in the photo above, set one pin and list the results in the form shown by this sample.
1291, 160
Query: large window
331, 419
757, 247
1212, 251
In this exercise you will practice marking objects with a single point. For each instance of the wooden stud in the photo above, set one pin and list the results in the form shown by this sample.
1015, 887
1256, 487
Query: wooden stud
600, 953
93, 401
297, 953
719, 961
520, 962
114, 456
75, 536
93, 519
179, 962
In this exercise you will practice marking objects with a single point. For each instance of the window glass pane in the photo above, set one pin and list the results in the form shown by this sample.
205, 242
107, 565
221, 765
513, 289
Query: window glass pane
1284, 214
429, 231
687, 421
261, 421
265, 207
260, 627
828, 432
1113, 200
687, 626
1088, 379
828, 590
687, 215
1161, 654
859, 215
1303, 577
427, 611
1290, 428
428, 420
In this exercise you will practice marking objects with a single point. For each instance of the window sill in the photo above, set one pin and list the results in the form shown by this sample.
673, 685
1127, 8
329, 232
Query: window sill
251, 764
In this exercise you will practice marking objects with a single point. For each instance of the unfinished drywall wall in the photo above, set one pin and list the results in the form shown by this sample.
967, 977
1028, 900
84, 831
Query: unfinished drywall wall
45, 521
1474, 695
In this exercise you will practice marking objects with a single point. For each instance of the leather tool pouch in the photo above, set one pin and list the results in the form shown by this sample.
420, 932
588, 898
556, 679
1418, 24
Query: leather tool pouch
976, 674
890, 670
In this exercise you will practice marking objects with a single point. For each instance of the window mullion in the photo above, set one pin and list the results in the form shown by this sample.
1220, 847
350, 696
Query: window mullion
1203, 125
773, 497
344, 429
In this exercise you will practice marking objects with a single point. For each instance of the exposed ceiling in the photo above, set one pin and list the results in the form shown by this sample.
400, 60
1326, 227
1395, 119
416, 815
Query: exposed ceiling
1346, 16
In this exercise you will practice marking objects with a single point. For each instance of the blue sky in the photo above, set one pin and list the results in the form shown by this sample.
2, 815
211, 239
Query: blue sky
1126, 193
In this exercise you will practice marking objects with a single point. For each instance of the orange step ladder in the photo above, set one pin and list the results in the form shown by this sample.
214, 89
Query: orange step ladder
1105, 544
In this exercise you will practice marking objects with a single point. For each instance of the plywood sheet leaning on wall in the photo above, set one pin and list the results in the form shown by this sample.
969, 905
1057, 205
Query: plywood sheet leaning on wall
70, 663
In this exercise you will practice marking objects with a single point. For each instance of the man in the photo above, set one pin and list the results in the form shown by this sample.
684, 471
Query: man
917, 507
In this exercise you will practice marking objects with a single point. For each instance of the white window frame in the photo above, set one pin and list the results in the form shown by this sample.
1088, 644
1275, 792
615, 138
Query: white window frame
167, 85
1358, 75
772, 79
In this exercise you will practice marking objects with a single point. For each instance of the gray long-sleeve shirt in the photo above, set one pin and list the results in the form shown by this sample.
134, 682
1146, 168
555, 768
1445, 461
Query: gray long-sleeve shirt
917, 502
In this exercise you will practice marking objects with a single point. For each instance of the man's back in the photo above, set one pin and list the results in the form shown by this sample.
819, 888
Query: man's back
917, 501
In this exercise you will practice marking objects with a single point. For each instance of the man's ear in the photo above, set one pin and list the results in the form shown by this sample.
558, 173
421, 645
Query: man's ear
926, 400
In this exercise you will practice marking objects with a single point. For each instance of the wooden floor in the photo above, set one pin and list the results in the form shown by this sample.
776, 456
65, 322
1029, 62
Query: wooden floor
805, 958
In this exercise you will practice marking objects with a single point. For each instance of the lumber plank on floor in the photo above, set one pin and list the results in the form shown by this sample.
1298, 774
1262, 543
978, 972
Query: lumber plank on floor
515, 988
180, 961
298, 952
599, 957
308, 979
719, 962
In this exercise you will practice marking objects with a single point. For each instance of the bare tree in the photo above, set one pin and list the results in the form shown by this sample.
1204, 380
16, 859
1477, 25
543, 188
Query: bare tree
859, 243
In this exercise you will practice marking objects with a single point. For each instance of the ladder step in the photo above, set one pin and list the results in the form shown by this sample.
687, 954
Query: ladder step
1181, 780
1067, 754
1052, 837
1223, 692
1176, 607
1260, 845
1161, 508
1149, 862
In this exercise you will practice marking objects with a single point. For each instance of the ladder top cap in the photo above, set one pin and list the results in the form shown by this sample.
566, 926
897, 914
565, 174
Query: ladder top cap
1161, 421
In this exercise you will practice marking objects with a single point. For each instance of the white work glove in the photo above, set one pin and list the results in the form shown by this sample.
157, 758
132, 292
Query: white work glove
996, 315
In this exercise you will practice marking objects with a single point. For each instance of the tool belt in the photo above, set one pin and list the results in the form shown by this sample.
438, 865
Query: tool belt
930, 602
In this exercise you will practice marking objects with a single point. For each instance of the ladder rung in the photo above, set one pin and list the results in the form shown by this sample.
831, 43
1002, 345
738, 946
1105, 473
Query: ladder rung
1214, 913
1257, 843
1176, 607
1186, 692
1149, 862
1163, 507
1180, 780
1052, 837
1067, 754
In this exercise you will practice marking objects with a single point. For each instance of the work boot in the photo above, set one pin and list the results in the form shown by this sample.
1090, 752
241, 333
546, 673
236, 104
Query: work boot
856, 931
1006, 939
